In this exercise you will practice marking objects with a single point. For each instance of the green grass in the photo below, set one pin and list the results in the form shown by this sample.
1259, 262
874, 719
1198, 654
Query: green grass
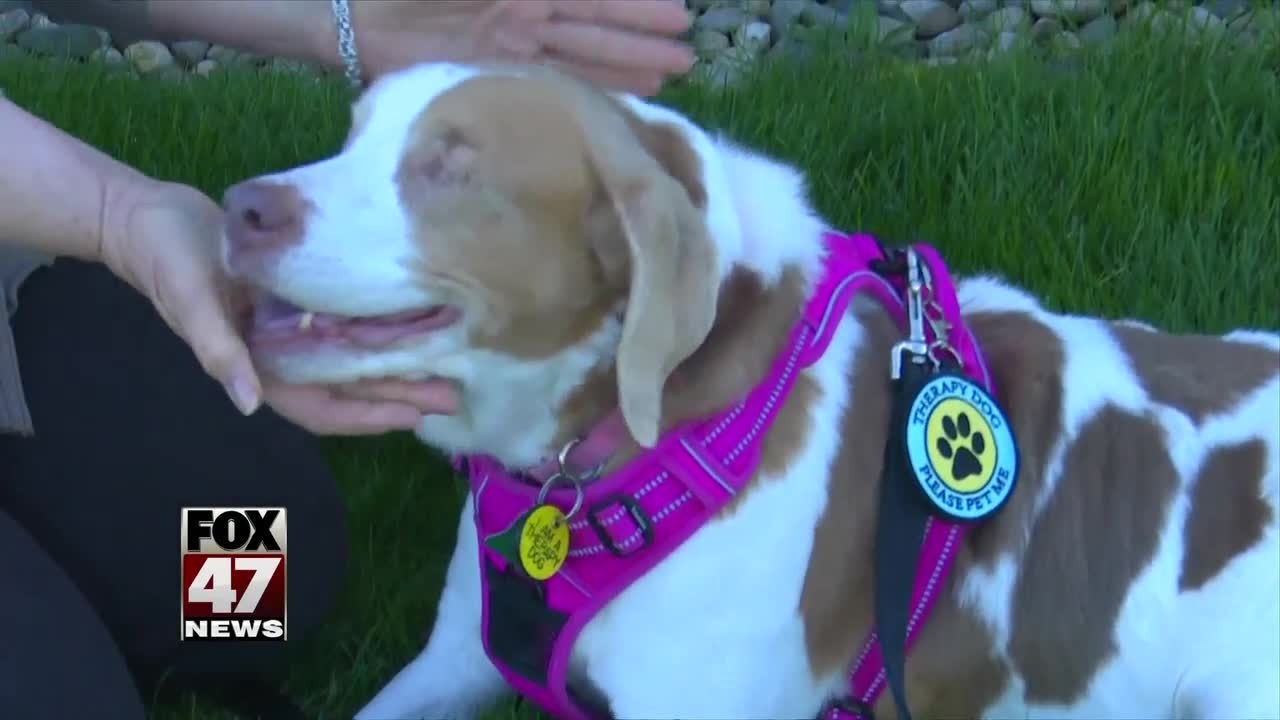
1144, 182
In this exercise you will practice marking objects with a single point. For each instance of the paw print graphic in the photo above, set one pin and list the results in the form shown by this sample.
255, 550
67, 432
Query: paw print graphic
962, 445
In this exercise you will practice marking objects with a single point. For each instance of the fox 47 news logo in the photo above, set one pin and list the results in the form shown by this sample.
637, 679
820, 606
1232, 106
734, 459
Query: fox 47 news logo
233, 574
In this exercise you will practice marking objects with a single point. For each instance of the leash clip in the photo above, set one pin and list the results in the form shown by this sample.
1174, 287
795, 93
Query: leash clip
916, 343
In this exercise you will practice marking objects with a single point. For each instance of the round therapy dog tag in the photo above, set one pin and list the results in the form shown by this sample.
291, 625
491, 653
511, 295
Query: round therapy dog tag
544, 542
961, 448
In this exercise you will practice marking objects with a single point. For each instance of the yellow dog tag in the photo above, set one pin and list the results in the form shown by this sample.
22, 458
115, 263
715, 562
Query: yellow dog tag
544, 542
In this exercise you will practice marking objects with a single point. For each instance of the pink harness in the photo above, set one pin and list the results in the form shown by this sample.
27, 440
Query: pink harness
623, 524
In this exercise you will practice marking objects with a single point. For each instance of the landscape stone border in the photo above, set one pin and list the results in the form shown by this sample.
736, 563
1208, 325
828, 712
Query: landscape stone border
729, 35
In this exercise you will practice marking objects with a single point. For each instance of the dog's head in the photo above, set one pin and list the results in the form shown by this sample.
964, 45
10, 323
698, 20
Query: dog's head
509, 229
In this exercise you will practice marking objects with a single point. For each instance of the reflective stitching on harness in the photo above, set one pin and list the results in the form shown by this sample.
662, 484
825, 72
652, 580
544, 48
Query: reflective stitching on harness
788, 370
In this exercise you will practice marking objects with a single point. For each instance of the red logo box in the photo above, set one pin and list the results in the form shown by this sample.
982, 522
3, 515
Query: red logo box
233, 574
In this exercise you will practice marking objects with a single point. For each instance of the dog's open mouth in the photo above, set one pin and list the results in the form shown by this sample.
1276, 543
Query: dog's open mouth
274, 323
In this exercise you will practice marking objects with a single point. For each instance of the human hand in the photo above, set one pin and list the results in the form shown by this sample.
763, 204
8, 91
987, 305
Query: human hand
164, 239
368, 407
624, 45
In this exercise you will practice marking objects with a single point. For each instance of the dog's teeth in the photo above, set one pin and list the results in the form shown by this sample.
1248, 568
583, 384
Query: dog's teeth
304, 322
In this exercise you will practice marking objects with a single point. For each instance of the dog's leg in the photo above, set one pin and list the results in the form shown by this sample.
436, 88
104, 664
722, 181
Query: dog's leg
452, 677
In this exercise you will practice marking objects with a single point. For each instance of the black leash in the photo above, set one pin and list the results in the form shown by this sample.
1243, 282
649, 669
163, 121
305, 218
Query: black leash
975, 477
899, 535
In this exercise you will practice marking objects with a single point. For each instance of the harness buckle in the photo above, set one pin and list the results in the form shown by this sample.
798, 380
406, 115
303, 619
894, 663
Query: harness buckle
637, 515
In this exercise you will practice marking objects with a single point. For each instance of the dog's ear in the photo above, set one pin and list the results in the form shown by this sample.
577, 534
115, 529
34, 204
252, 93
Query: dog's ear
650, 187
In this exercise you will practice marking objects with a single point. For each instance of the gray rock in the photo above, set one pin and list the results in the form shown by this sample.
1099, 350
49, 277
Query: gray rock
725, 70
69, 41
1228, 9
1141, 12
291, 66
1201, 18
228, 57
790, 49
894, 32
1066, 41
1162, 21
822, 15
893, 9
13, 22
110, 57
189, 52
931, 17
1098, 30
40, 20
958, 41
1075, 11
723, 19
206, 67
1012, 18
149, 56
971, 10
223, 55
709, 43
785, 13
753, 37
1193, 23
1045, 28
1006, 41
249, 59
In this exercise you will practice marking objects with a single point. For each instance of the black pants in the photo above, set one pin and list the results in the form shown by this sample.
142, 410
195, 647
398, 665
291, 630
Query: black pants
128, 430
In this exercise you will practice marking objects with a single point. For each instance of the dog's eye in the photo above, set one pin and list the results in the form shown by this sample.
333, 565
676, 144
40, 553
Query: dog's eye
447, 161
454, 137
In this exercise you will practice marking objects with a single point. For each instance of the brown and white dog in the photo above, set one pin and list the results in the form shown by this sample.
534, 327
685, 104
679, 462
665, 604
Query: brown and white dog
557, 251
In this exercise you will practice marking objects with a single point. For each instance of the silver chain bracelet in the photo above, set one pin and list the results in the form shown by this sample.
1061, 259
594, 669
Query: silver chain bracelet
347, 43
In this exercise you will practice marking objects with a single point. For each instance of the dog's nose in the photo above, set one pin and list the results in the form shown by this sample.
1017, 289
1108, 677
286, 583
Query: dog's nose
262, 215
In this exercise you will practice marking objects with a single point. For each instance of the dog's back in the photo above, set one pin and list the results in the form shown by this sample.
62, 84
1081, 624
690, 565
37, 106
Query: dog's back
1138, 565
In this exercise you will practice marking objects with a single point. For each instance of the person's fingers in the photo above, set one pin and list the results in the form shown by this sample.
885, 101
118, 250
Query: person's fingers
319, 411
201, 318
641, 83
666, 17
596, 45
433, 397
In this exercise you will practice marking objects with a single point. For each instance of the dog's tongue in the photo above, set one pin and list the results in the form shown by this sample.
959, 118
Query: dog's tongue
275, 319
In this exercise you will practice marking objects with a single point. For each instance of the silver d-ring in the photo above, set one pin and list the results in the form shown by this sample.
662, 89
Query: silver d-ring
562, 459
573, 482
